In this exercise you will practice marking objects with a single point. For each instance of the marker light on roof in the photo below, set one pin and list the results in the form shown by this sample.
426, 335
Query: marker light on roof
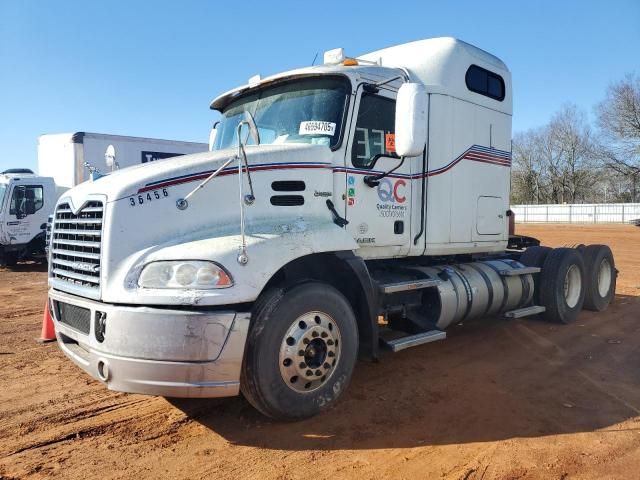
255, 80
334, 57
350, 62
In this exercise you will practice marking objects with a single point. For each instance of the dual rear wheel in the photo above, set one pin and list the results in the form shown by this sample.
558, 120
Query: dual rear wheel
572, 279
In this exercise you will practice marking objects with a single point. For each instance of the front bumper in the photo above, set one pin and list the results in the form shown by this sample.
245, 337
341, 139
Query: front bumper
156, 351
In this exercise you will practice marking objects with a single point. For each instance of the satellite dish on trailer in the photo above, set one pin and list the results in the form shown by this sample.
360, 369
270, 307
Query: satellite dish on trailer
110, 158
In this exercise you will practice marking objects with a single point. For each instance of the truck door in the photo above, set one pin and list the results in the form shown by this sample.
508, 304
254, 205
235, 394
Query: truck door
22, 216
378, 215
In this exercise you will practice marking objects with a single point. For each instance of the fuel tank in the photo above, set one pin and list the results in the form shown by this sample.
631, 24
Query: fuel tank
472, 290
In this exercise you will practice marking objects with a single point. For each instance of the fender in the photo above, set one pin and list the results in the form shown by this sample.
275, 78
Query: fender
368, 324
269, 248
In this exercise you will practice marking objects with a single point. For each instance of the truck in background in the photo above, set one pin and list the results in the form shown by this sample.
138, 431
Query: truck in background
26, 201
69, 157
64, 161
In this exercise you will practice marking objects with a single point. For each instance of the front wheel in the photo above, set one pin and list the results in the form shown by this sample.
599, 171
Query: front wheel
301, 350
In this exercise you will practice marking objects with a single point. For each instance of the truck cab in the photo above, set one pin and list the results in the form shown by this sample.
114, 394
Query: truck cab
343, 207
26, 200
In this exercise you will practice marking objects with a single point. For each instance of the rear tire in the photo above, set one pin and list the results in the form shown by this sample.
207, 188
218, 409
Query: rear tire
535, 257
301, 350
562, 285
10, 259
600, 279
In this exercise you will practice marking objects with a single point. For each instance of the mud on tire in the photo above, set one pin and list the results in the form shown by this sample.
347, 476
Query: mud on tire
562, 285
300, 353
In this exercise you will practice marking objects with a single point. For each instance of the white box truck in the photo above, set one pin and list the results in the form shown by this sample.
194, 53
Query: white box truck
64, 161
346, 206
63, 156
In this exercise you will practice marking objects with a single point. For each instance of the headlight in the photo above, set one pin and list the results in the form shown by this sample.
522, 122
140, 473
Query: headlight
197, 274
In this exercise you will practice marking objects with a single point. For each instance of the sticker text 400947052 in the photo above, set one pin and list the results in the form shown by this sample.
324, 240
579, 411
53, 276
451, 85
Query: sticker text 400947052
148, 197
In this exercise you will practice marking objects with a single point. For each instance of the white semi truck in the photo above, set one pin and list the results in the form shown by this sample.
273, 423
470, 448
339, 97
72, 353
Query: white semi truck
64, 161
347, 206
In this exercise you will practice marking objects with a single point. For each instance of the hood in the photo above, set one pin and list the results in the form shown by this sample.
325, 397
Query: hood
192, 169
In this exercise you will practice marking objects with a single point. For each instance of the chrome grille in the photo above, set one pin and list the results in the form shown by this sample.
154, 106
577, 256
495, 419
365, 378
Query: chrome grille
48, 235
75, 244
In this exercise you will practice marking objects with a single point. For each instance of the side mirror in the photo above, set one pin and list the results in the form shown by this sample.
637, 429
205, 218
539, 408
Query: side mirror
411, 120
20, 203
212, 136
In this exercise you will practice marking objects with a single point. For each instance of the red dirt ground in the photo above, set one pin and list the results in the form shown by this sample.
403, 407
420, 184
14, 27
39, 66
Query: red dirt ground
498, 399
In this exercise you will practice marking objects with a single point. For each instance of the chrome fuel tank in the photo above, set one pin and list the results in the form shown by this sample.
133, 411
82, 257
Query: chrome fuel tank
473, 290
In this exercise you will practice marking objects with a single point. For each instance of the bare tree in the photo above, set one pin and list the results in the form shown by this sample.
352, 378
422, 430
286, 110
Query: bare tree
555, 163
575, 167
619, 122
527, 178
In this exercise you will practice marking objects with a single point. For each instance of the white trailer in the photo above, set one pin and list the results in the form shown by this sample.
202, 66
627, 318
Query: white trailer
64, 161
346, 206
63, 155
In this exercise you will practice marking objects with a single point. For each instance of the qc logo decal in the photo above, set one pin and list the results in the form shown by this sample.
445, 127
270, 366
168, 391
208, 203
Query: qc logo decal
390, 192
392, 196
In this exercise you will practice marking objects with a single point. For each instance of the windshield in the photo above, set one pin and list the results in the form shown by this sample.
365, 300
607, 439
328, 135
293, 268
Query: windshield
3, 190
306, 110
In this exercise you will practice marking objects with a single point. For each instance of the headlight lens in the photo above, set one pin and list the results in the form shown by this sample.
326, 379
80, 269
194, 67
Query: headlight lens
198, 274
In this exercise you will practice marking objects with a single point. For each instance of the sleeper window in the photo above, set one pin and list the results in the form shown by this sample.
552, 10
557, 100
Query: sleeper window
484, 82
375, 130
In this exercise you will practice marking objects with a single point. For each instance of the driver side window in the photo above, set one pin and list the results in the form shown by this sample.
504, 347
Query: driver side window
375, 130
26, 200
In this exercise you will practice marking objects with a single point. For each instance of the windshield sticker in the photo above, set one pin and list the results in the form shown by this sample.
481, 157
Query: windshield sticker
317, 128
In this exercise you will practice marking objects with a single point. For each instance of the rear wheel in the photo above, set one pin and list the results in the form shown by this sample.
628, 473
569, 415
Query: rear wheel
600, 277
301, 350
10, 259
535, 257
562, 286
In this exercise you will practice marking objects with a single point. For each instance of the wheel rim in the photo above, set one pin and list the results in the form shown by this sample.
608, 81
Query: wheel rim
572, 286
310, 352
604, 277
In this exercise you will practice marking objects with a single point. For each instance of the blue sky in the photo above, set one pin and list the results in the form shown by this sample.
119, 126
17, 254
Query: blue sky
150, 68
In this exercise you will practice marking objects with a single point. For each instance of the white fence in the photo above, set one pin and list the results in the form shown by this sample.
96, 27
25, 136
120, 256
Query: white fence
577, 213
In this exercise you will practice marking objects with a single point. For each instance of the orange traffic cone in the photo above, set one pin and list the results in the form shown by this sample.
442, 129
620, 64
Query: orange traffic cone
48, 331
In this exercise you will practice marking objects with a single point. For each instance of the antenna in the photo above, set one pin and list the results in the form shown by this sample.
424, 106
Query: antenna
314, 59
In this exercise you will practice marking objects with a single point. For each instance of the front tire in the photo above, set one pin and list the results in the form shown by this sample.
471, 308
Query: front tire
301, 350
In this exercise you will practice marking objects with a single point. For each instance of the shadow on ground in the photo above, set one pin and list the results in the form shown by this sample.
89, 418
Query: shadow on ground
490, 380
29, 266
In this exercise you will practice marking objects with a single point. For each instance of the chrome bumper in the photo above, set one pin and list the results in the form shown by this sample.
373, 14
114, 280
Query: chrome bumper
156, 351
